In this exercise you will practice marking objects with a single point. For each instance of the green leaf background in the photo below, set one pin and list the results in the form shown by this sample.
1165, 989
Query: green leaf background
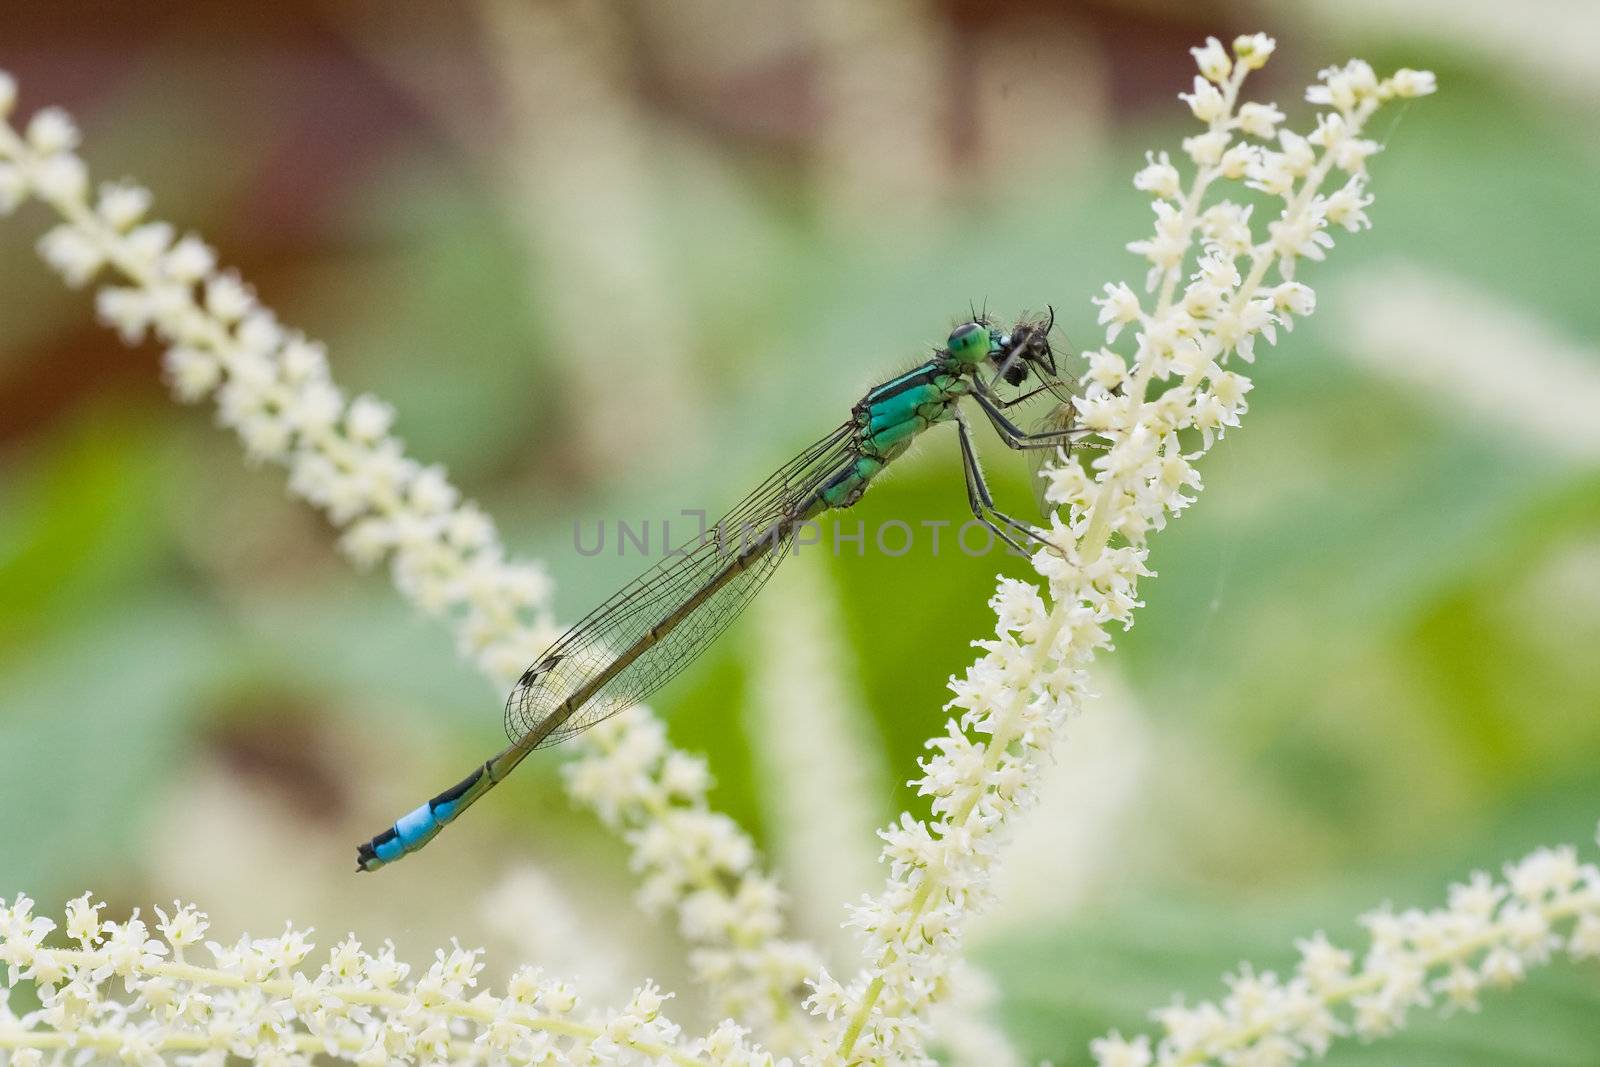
1352, 695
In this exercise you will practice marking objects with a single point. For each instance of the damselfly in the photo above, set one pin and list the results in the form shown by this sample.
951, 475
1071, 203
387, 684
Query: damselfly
630, 645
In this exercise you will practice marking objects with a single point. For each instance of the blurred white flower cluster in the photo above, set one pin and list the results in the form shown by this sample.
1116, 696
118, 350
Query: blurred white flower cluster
701, 864
1157, 413
272, 388
1487, 936
121, 993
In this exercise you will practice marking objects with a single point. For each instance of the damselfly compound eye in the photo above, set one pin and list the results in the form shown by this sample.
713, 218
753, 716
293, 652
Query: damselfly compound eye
969, 342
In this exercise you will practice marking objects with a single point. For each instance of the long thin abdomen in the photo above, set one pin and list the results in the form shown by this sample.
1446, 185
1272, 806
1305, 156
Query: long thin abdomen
834, 473
419, 826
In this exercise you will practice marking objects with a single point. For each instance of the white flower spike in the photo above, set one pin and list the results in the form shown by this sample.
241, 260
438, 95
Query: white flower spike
1014, 700
120, 992
1487, 937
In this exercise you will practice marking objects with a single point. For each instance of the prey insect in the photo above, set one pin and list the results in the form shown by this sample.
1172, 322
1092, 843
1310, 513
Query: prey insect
648, 631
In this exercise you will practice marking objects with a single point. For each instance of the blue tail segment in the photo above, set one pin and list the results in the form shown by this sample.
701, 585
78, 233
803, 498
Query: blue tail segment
416, 828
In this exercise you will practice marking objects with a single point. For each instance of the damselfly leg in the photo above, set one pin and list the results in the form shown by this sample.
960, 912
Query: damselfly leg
981, 500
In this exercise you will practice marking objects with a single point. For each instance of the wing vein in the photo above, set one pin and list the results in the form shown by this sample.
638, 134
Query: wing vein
715, 574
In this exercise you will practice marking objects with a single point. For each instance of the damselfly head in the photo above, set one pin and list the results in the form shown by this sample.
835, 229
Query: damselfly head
970, 342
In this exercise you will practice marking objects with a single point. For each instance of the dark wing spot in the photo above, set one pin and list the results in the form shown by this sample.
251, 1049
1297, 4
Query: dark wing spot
542, 667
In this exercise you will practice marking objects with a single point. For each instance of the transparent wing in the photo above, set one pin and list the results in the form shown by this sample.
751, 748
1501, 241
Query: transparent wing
671, 599
1060, 417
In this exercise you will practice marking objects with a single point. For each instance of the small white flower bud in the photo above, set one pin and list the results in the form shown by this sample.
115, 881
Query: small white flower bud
190, 260
368, 419
1347, 207
122, 204
1118, 308
13, 187
1363, 79
1159, 177
1205, 102
304, 361
148, 243
171, 309
1259, 120
51, 131
431, 492
72, 253
259, 331
61, 178
228, 298
1253, 50
1206, 149
125, 309
1212, 60
1298, 157
1410, 83
1236, 161
191, 373
1295, 299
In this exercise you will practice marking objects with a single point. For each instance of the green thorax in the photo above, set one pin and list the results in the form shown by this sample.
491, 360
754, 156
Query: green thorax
891, 416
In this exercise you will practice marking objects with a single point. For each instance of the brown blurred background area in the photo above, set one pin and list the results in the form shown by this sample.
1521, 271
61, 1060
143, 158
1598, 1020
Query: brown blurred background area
898, 107
614, 259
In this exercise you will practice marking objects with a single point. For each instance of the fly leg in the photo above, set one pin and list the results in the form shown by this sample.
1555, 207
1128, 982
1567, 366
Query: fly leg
1029, 395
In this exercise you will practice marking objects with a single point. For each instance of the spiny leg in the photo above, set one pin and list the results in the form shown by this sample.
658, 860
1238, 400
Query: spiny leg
982, 501
1029, 395
976, 491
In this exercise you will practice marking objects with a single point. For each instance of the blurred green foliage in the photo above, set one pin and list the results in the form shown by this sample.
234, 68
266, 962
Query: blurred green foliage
1342, 640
